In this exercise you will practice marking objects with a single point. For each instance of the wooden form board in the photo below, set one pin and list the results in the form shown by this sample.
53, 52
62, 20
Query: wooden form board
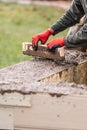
50, 113
8, 102
6, 118
15, 99
43, 52
53, 113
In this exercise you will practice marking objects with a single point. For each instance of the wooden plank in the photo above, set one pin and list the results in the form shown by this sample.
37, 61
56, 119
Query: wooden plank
15, 99
53, 113
6, 118
43, 52
29, 128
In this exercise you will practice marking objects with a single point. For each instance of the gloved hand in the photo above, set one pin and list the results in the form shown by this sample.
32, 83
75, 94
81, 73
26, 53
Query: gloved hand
43, 37
55, 43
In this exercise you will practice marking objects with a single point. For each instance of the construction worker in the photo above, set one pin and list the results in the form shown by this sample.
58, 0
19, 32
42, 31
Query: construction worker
72, 16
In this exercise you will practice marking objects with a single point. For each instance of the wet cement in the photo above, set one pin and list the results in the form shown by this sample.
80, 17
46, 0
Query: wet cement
73, 57
25, 76
60, 88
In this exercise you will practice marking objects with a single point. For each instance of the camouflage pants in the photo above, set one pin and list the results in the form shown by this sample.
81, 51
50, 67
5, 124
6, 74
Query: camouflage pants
74, 29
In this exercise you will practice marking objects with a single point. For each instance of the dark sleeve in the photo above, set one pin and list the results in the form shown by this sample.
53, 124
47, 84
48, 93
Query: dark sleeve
70, 18
78, 39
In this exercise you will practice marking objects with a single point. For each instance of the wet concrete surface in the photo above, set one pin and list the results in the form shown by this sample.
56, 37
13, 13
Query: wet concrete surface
60, 88
75, 56
29, 71
25, 77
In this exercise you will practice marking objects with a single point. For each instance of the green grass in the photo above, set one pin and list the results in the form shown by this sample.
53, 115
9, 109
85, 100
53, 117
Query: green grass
18, 23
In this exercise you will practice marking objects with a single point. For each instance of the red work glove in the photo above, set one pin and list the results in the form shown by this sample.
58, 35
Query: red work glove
55, 43
43, 37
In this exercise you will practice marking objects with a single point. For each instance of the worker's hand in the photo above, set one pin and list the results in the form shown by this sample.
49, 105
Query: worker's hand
43, 37
55, 43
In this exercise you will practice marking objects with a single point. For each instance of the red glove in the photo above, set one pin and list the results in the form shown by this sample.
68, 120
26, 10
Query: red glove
43, 37
55, 43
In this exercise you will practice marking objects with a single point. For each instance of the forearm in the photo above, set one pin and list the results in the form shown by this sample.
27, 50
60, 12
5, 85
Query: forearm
70, 18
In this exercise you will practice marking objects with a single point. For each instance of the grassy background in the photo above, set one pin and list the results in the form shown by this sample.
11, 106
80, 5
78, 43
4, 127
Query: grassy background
18, 23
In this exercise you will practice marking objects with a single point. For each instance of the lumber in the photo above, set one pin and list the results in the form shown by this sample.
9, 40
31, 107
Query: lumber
43, 52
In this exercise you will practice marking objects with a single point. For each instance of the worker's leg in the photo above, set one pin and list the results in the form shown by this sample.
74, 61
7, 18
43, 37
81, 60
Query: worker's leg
72, 31
75, 29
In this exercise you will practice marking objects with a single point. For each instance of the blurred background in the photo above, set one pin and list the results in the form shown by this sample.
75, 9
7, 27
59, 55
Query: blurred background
20, 20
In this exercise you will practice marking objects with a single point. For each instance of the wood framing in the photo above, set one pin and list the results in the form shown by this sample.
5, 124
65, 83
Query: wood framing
43, 52
53, 113
6, 118
47, 112
15, 99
